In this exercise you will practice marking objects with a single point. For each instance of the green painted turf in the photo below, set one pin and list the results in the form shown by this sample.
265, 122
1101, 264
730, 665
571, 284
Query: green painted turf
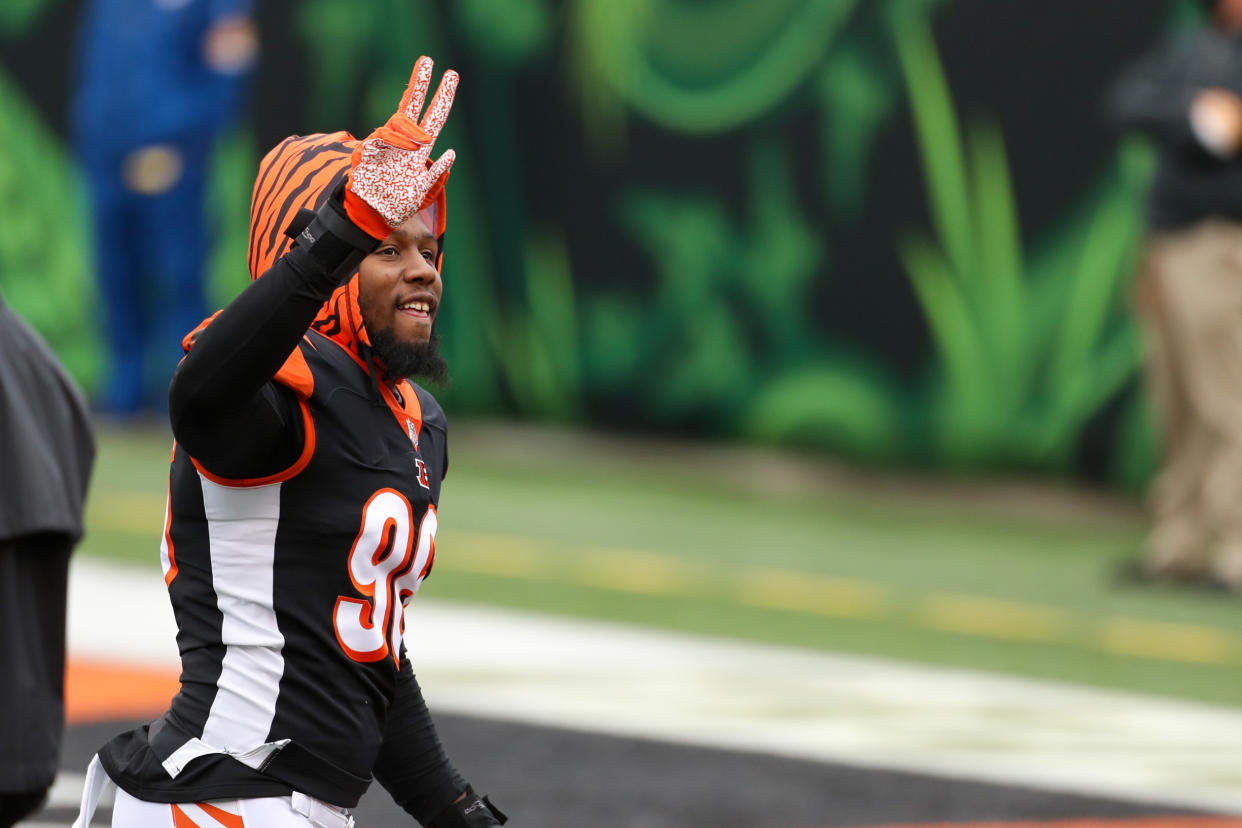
738, 544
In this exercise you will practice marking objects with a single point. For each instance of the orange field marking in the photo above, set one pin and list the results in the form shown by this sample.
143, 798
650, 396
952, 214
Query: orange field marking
98, 691
1096, 822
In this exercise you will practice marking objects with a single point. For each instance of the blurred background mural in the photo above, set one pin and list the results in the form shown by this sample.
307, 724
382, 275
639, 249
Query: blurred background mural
896, 231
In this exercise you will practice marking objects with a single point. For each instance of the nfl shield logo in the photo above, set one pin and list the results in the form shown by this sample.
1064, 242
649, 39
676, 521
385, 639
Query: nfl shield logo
409, 424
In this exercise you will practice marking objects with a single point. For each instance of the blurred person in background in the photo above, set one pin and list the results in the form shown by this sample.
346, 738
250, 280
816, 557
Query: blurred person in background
1185, 94
157, 81
47, 451
302, 502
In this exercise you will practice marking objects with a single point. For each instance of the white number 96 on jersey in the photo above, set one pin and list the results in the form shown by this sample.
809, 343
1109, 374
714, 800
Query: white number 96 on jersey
387, 567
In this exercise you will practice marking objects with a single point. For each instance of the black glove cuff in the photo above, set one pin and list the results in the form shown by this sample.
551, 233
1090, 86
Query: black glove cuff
471, 811
331, 239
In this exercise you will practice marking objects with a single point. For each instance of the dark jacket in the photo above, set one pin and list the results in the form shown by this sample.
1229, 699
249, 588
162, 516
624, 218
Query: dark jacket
46, 445
1154, 96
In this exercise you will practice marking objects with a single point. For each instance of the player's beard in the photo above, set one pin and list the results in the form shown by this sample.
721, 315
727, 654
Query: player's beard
410, 359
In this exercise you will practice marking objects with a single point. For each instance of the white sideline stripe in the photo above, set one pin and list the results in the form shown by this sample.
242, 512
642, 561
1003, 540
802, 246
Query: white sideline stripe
852, 710
67, 792
241, 525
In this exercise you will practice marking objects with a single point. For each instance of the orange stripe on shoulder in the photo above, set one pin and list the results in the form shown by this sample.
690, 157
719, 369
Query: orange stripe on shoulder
296, 374
187, 341
308, 451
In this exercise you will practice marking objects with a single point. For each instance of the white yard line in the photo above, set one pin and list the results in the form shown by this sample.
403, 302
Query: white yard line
860, 711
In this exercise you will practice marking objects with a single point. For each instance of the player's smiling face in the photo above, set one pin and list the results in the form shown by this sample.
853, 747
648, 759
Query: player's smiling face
398, 285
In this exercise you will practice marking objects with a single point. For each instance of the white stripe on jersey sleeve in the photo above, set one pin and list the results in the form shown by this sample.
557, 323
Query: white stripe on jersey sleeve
241, 525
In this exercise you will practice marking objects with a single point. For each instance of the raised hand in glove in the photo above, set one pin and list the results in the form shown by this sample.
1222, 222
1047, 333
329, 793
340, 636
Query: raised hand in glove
391, 177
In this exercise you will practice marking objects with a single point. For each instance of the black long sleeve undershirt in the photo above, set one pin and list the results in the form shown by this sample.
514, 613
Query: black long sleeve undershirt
412, 765
224, 408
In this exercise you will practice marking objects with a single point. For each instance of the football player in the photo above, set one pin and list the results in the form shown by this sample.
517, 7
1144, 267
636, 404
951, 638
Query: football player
302, 501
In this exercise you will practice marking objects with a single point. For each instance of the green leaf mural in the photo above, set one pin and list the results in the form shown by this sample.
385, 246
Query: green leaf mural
340, 34
44, 270
16, 16
233, 164
722, 276
722, 329
856, 98
832, 402
537, 351
515, 36
704, 67
1027, 352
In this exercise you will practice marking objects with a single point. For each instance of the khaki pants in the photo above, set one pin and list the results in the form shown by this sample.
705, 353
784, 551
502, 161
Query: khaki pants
1190, 303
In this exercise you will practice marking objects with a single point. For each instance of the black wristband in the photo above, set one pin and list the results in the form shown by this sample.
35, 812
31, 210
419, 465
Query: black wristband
471, 811
335, 243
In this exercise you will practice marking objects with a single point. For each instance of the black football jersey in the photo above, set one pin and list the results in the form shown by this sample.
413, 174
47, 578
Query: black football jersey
288, 594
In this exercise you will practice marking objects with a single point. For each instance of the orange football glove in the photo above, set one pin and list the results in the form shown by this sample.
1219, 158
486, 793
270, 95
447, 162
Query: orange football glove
391, 177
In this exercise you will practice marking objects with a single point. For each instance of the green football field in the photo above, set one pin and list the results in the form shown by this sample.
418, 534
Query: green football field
1004, 577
